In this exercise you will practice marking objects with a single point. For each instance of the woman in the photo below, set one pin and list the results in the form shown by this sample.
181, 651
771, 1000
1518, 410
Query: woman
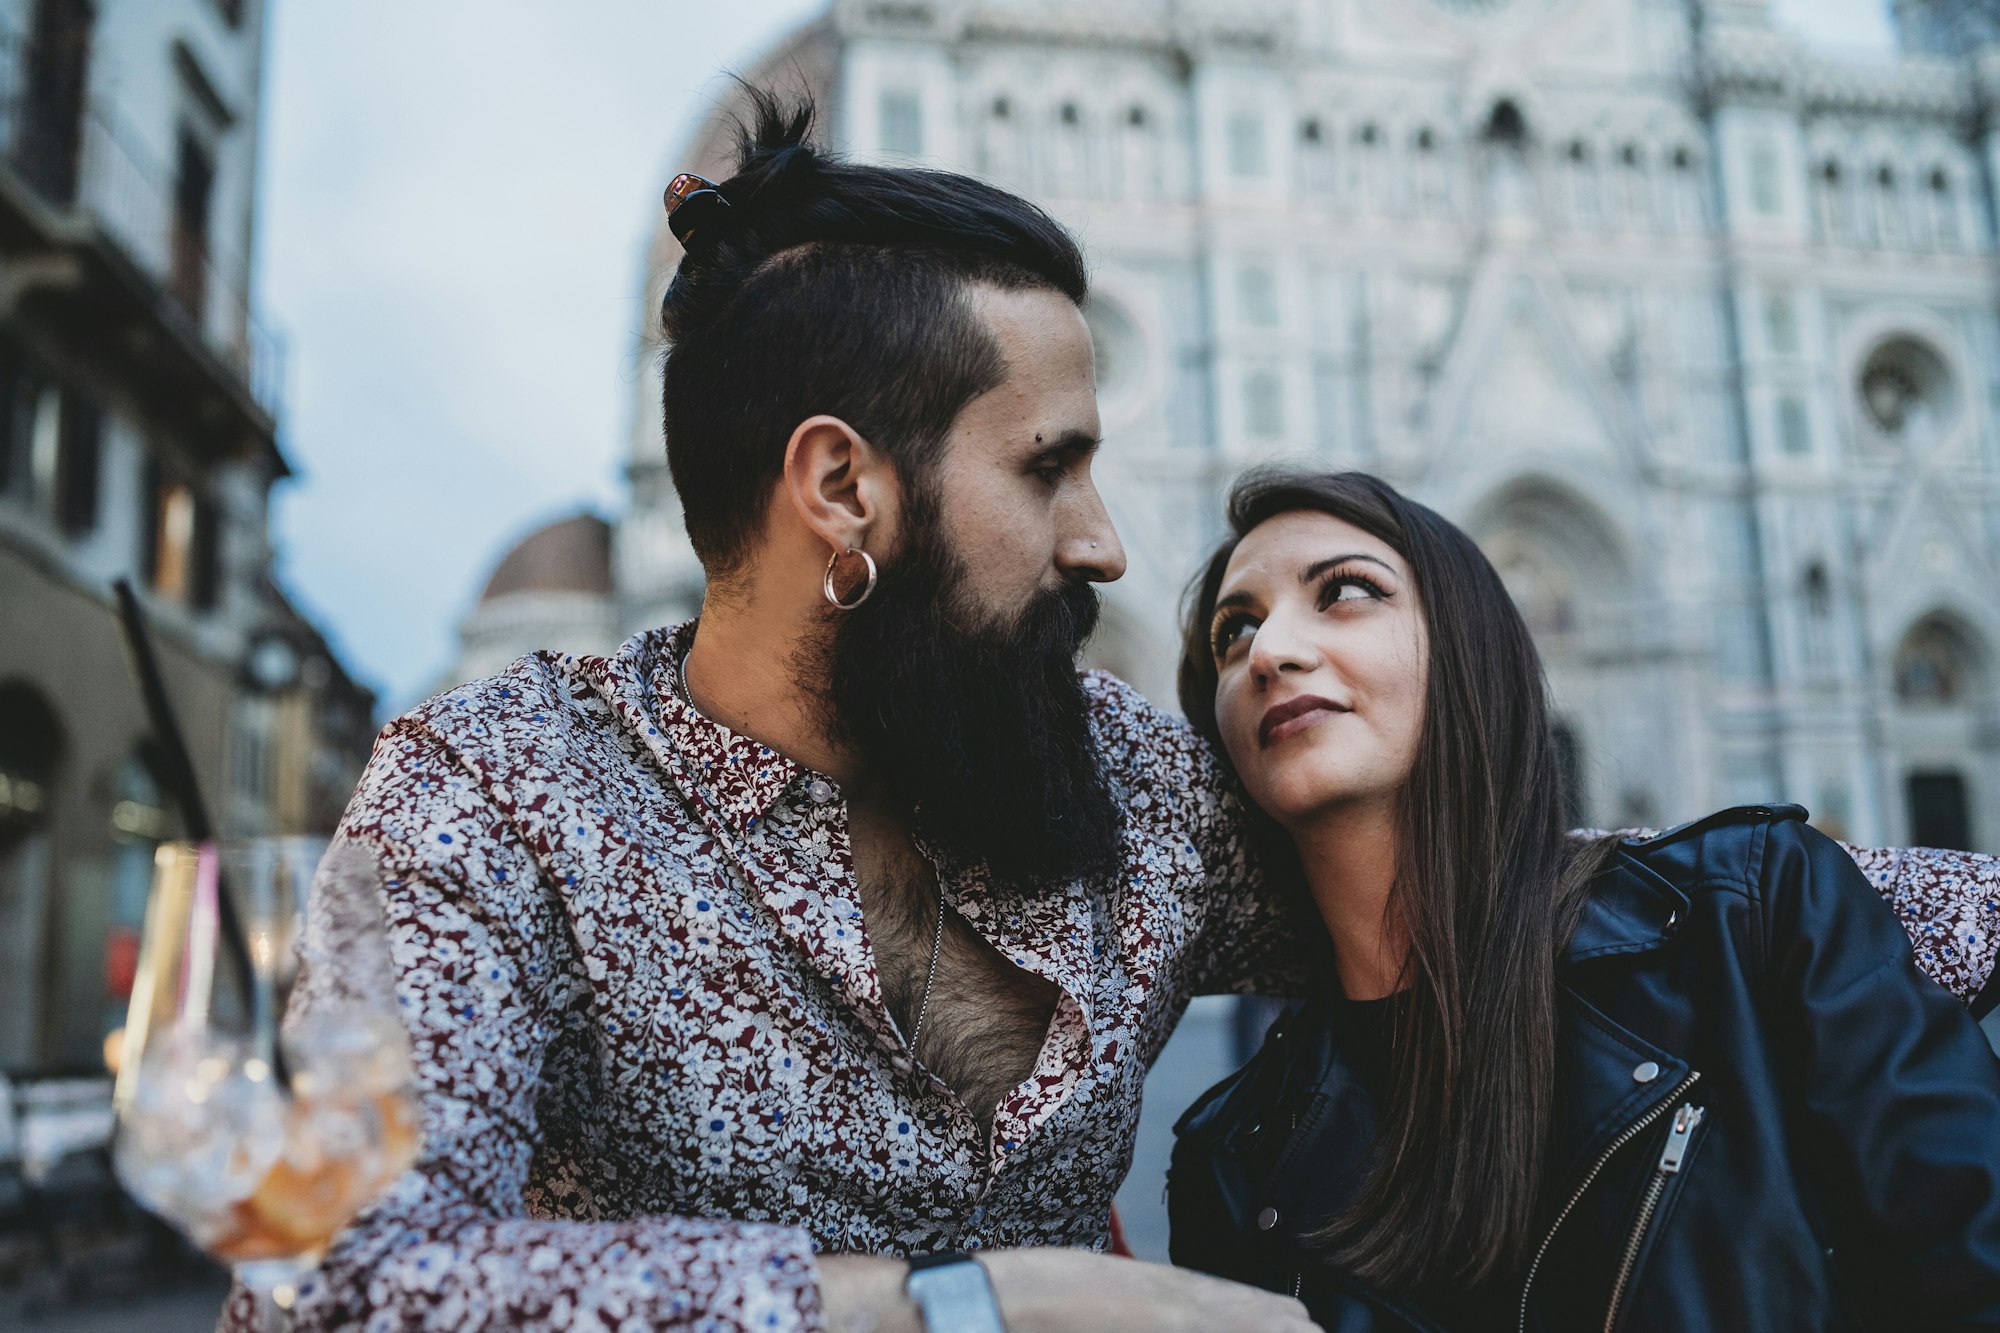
1688, 1082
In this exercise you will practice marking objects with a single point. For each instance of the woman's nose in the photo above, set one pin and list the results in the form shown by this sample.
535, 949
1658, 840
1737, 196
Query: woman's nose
1277, 647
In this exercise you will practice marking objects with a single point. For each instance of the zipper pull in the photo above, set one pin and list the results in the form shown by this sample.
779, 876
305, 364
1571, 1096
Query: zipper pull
1678, 1135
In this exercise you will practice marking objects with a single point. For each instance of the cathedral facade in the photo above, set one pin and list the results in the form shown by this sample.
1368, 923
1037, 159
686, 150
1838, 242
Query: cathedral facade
1692, 325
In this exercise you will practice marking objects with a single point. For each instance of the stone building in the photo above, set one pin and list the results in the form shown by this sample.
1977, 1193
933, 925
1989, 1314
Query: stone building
138, 438
1691, 324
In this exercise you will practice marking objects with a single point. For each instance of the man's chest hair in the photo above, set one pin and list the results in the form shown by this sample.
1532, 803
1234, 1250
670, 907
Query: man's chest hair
986, 1018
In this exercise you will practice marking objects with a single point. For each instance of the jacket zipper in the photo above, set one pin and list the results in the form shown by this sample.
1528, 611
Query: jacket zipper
1632, 1131
1671, 1157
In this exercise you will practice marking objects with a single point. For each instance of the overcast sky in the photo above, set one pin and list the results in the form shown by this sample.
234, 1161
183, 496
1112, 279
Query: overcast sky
457, 195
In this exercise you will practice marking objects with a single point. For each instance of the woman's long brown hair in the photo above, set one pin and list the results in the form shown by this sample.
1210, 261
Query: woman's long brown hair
1487, 890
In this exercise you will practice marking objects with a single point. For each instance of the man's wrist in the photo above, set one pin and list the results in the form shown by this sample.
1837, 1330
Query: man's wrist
953, 1294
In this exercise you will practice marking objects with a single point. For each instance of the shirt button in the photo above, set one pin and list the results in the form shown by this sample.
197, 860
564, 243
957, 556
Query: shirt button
819, 791
1267, 1219
1646, 1073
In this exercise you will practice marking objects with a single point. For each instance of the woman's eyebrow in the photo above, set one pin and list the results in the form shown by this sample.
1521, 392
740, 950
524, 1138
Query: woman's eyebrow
1311, 573
1231, 602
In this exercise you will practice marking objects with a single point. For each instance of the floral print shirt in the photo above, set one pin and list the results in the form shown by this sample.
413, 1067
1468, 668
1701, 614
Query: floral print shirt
658, 1071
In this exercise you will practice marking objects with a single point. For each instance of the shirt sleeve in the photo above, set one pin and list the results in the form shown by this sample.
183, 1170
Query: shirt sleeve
488, 989
1949, 903
1898, 1092
1259, 933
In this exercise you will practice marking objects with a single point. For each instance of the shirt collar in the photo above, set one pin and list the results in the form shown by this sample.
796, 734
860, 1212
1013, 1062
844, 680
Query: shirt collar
738, 778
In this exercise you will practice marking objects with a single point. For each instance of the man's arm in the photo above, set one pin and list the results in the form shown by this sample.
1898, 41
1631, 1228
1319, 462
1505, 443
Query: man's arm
1949, 903
485, 981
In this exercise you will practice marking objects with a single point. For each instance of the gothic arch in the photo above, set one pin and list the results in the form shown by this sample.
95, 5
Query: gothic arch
1941, 661
1563, 559
1941, 689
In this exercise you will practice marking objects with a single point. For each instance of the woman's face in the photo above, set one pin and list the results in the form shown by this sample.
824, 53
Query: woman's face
1321, 658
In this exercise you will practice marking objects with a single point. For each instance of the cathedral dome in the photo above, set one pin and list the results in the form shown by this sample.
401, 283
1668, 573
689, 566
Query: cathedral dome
571, 555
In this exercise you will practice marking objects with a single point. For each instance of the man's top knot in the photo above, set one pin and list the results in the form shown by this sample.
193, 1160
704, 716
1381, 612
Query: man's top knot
695, 204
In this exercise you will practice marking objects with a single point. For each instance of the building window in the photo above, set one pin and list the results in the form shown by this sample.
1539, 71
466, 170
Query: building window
1506, 125
183, 543
902, 123
1781, 324
50, 445
1263, 405
48, 137
194, 188
1585, 200
1889, 219
79, 451
1257, 295
1315, 159
1764, 197
1944, 211
1932, 664
1906, 390
1246, 145
1794, 428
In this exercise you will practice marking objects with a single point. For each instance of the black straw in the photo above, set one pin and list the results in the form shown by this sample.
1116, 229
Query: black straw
185, 792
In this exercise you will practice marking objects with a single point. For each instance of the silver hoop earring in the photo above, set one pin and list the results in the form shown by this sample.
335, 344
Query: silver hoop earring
867, 588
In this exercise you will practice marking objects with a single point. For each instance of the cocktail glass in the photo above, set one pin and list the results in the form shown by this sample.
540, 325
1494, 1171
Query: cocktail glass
262, 1139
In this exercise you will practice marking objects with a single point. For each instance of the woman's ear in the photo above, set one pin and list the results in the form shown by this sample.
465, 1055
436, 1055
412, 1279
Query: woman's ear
843, 488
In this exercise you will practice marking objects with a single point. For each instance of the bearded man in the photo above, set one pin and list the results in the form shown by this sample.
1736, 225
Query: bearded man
759, 974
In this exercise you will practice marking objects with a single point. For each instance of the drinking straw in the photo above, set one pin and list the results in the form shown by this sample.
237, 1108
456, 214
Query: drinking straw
184, 791
198, 977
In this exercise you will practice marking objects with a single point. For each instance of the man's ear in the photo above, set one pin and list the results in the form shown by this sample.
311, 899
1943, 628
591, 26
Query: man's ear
843, 488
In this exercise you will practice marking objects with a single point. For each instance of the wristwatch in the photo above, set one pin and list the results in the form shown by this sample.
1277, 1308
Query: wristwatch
952, 1291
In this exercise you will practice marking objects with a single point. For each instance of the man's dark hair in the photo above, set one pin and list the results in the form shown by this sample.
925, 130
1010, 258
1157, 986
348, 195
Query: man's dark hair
830, 287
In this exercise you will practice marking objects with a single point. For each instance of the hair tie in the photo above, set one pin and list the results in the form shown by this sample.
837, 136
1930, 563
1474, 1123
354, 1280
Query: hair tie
694, 204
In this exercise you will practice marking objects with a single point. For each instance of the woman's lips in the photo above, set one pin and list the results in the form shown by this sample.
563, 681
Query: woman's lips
1293, 716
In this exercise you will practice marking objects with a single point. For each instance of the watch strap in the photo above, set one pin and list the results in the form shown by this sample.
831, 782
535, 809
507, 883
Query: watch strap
953, 1293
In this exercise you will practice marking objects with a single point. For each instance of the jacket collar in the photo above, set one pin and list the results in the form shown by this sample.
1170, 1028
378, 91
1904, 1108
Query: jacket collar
1631, 909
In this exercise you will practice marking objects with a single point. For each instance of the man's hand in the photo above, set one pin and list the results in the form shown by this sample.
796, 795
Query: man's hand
1064, 1291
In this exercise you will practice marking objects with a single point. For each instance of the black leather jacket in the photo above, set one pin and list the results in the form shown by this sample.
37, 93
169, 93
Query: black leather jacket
1767, 1118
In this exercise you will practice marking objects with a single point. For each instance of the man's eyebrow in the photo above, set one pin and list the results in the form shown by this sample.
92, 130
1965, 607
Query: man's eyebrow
1069, 442
1311, 573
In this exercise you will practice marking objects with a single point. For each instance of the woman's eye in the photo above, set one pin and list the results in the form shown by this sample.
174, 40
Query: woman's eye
1231, 632
1350, 588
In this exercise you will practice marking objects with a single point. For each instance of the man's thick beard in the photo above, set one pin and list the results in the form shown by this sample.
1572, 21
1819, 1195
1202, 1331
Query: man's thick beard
983, 729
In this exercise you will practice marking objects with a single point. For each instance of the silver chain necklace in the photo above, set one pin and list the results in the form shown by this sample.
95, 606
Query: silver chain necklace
937, 935
937, 942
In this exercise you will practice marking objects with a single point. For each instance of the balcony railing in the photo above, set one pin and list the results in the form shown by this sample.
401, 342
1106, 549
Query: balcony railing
90, 166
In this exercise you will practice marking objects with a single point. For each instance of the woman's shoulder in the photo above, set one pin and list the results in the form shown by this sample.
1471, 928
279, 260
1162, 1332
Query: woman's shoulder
1739, 847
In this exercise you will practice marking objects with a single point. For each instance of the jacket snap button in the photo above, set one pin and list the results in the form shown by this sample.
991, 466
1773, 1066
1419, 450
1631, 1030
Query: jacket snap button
1646, 1073
1267, 1219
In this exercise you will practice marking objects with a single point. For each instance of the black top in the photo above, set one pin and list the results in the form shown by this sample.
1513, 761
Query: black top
1367, 1032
